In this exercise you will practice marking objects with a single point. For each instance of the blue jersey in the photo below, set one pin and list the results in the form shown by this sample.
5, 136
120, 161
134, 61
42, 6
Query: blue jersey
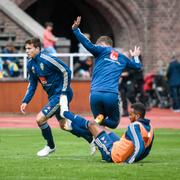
51, 72
108, 65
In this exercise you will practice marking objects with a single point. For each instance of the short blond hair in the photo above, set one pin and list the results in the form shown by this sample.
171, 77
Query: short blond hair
106, 39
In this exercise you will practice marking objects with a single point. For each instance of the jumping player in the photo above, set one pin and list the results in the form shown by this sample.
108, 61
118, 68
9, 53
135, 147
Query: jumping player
108, 66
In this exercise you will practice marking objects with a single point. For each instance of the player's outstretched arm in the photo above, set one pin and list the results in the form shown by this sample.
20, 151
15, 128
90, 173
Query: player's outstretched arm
76, 22
95, 50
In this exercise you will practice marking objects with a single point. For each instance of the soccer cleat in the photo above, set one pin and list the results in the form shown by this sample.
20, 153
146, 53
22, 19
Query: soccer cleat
93, 148
99, 118
45, 151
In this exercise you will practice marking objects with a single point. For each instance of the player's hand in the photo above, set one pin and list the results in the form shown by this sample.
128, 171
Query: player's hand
136, 51
23, 107
76, 22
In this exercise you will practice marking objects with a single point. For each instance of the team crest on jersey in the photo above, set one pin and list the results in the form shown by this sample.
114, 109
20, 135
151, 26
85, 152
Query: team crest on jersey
42, 66
114, 55
33, 69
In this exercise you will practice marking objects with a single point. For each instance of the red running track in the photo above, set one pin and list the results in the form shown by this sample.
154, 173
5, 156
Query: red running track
160, 118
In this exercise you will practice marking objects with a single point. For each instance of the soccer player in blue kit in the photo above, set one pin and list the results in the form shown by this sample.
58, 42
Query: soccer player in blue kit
108, 66
55, 77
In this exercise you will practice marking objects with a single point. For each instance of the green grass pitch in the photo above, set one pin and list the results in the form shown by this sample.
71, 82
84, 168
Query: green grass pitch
18, 160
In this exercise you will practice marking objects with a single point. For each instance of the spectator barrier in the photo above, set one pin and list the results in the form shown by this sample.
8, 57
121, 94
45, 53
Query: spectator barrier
69, 56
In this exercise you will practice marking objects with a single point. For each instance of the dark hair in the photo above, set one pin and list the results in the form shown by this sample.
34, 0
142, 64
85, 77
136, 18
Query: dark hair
139, 108
105, 39
48, 24
35, 41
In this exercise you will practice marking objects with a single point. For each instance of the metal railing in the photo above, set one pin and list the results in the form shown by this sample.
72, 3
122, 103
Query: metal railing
71, 57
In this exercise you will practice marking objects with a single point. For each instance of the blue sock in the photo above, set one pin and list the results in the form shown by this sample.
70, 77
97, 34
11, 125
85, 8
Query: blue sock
76, 119
79, 132
47, 134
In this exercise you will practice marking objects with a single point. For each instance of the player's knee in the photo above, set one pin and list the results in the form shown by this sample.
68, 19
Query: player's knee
114, 125
62, 124
65, 124
40, 119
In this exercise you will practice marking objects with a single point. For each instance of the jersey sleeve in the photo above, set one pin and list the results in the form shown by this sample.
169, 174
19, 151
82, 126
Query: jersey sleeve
131, 63
33, 81
135, 136
92, 48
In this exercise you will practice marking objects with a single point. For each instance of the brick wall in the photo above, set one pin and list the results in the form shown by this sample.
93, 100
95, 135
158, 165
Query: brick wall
165, 29
80, 102
154, 24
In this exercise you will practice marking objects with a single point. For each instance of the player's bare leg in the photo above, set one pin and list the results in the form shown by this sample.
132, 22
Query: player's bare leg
65, 124
95, 129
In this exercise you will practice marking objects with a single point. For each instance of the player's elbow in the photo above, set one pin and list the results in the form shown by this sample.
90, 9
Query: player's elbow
114, 124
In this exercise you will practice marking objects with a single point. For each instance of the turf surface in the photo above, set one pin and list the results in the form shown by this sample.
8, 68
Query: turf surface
18, 160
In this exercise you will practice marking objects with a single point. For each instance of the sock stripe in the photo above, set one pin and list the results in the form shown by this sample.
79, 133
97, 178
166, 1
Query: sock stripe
86, 124
44, 126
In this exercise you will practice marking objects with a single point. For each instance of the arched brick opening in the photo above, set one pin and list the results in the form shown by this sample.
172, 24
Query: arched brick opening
154, 25
63, 14
120, 19
128, 22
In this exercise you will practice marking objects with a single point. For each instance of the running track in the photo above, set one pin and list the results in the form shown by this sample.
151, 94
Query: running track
160, 118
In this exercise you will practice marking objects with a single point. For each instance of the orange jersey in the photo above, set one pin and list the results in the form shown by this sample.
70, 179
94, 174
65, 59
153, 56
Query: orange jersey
133, 143
122, 150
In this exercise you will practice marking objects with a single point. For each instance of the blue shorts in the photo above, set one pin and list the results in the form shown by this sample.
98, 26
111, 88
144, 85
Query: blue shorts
53, 108
106, 103
105, 142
